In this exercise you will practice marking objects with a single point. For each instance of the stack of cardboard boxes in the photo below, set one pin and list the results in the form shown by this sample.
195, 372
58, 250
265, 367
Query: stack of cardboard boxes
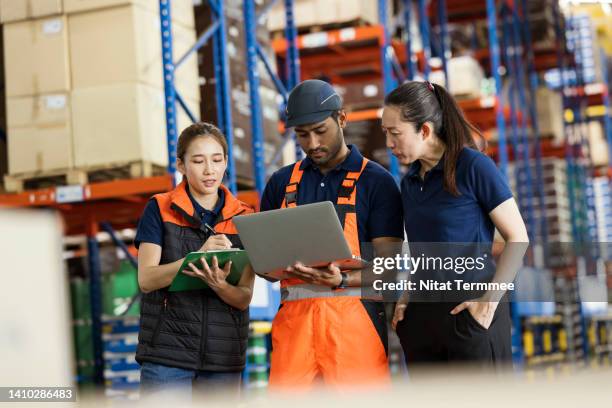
365, 134
85, 84
556, 198
309, 13
549, 105
361, 94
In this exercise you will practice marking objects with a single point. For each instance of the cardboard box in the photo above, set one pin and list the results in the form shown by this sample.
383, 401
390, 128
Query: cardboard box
17, 10
304, 12
39, 133
36, 57
347, 11
323, 12
367, 135
465, 77
181, 11
597, 143
130, 52
361, 95
122, 123
550, 113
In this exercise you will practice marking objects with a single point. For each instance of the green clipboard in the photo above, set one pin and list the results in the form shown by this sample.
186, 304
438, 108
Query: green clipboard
184, 282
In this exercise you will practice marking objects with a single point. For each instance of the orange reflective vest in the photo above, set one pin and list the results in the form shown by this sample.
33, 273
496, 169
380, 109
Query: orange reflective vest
345, 207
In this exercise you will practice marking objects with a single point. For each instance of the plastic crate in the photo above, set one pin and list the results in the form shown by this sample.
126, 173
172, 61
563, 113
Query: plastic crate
120, 343
120, 325
120, 362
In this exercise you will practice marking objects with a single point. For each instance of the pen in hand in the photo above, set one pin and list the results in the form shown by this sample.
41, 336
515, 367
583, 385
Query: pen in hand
210, 229
215, 241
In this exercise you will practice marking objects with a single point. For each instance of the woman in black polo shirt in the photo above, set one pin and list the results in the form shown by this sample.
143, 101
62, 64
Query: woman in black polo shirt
455, 196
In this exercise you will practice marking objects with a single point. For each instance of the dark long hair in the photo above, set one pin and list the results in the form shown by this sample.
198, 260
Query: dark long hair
421, 102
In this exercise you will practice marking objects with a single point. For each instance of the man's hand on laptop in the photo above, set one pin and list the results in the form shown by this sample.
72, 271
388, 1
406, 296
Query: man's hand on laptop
329, 276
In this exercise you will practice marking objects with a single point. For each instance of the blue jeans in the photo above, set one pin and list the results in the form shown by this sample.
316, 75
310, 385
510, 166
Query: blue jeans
157, 380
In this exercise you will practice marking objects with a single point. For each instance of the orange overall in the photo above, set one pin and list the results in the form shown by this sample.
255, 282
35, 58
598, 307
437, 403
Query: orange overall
324, 334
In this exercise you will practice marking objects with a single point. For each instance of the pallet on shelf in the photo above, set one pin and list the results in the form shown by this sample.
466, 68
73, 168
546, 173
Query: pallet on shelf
317, 28
16, 183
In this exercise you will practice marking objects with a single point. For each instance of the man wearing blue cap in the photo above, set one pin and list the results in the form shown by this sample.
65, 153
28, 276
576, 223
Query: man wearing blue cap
323, 329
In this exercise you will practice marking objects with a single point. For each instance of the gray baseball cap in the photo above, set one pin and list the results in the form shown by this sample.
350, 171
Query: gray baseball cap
311, 101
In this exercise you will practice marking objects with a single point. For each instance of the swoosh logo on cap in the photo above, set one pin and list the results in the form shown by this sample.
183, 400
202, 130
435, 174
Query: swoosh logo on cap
325, 100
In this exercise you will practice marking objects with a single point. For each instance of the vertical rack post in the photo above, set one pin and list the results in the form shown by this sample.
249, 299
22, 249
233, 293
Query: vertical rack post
293, 60
561, 53
95, 298
519, 74
533, 115
444, 43
494, 48
257, 135
222, 90
389, 81
425, 37
607, 119
495, 72
169, 92
411, 67
508, 58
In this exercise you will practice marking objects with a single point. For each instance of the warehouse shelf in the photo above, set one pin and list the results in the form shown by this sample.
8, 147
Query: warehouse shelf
550, 148
481, 112
64, 196
545, 58
593, 93
119, 201
344, 55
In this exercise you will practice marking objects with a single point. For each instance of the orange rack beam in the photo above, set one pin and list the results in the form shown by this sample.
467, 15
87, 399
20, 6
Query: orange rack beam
119, 202
335, 37
116, 189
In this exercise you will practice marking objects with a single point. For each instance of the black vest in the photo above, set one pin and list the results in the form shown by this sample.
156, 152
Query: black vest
193, 330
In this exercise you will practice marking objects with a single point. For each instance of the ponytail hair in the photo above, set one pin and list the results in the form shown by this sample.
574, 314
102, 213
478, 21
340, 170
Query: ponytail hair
421, 102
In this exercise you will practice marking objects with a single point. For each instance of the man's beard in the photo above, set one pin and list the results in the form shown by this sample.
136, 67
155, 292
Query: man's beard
330, 153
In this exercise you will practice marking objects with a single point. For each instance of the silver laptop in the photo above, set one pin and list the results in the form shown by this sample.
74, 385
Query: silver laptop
310, 234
